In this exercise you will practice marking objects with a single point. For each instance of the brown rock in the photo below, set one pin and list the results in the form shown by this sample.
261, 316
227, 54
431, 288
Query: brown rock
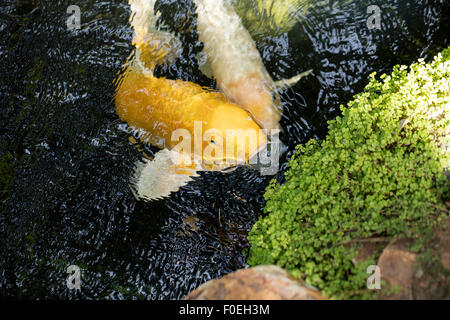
397, 266
260, 283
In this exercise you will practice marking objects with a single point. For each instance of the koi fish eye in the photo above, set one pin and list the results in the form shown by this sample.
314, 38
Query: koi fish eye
213, 141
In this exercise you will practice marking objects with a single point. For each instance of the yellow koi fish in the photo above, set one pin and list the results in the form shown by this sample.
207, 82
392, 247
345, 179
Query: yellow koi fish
196, 128
234, 61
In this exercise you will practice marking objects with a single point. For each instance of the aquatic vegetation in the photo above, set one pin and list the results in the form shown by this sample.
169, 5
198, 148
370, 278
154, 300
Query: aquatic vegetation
378, 173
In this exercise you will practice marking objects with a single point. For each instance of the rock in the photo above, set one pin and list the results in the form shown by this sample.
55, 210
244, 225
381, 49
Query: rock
267, 282
397, 266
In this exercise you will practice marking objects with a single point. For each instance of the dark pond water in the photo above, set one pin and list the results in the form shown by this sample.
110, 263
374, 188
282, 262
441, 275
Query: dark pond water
65, 158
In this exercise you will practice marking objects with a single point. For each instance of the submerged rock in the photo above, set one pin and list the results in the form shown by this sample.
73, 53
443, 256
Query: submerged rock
266, 282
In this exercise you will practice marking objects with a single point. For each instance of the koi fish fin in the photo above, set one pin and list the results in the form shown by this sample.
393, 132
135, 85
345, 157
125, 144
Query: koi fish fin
158, 178
154, 42
287, 83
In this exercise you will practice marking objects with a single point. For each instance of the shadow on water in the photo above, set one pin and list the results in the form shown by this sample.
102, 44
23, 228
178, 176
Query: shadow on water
65, 162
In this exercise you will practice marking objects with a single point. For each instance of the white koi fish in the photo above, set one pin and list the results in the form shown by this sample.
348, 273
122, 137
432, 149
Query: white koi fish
234, 61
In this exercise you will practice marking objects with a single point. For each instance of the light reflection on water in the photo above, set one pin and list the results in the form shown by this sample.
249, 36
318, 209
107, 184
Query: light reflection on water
65, 162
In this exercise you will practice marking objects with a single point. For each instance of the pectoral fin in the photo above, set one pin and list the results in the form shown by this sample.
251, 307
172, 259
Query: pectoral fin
158, 178
287, 83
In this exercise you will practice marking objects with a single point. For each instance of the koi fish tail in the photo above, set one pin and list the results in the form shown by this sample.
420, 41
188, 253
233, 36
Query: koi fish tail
154, 43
